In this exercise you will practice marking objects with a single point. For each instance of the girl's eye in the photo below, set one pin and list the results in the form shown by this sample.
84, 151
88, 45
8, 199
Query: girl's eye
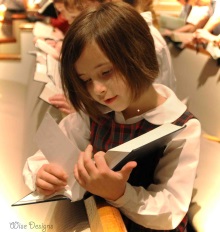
107, 72
87, 81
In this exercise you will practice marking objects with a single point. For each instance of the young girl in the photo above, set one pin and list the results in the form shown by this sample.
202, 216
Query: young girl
108, 69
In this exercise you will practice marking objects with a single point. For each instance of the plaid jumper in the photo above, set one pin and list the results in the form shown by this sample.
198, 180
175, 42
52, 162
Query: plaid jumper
107, 134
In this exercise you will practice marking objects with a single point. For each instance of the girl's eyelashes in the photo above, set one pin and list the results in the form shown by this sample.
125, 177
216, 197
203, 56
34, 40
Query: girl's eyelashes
84, 79
107, 72
87, 81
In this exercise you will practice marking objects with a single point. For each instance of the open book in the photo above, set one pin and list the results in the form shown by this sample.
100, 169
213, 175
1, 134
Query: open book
183, 37
52, 142
45, 47
54, 86
43, 30
213, 50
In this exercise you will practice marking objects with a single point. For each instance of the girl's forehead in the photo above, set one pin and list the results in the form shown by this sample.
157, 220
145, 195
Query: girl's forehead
91, 58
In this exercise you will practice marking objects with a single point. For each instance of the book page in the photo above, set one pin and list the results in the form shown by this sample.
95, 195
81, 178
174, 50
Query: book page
213, 50
183, 37
43, 30
40, 57
53, 66
58, 149
45, 47
41, 73
48, 91
55, 145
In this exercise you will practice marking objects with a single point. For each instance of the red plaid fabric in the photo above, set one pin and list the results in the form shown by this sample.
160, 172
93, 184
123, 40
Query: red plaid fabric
107, 134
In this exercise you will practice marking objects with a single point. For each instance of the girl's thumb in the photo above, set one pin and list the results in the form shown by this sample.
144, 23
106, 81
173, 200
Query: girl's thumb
127, 169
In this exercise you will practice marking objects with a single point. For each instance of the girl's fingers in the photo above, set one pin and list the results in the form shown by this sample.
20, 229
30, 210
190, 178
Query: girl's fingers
81, 181
48, 191
81, 170
65, 111
55, 171
42, 184
85, 166
52, 179
89, 163
45, 192
58, 97
100, 162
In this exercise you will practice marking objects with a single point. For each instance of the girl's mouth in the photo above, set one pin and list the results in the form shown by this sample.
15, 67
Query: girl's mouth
110, 100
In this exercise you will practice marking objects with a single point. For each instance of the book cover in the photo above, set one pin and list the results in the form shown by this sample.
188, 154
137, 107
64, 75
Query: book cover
33, 198
52, 142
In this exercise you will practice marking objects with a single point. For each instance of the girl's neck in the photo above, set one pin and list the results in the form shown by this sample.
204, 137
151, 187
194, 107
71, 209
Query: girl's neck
149, 100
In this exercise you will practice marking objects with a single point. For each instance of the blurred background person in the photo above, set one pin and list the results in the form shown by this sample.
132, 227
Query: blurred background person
197, 17
213, 24
60, 22
186, 8
166, 73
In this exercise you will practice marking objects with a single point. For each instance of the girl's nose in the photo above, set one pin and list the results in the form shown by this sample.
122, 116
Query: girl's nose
99, 88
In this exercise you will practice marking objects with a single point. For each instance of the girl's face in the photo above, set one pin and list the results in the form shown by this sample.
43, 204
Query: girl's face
71, 14
59, 6
103, 82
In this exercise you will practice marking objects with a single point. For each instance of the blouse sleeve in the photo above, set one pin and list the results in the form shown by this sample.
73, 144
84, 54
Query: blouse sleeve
76, 127
164, 204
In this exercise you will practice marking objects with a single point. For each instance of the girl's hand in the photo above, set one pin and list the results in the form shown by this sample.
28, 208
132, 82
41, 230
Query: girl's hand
50, 178
58, 47
58, 34
203, 36
167, 32
97, 178
60, 102
51, 42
